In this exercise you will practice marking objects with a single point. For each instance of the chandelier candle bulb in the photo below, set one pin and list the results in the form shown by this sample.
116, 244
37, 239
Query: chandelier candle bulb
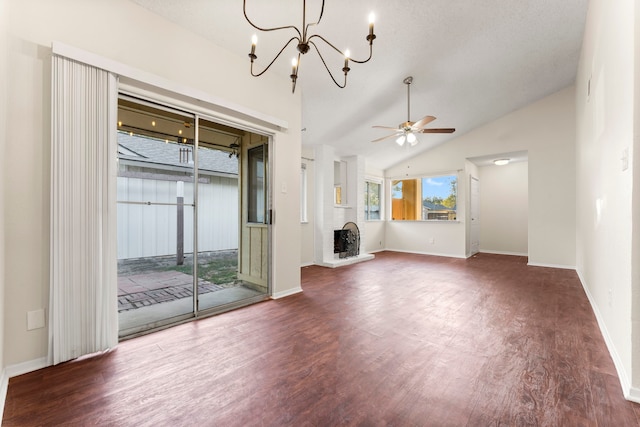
254, 41
346, 58
372, 18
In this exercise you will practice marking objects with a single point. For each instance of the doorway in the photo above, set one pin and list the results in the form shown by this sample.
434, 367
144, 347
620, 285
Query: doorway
182, 180
474, 228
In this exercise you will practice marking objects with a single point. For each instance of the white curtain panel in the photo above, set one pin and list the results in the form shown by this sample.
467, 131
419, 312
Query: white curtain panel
83, 316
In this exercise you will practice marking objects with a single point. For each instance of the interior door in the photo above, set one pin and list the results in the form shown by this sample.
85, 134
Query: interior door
474, 229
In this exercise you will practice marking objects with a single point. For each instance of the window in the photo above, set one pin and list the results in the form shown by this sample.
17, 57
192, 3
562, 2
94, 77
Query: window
257, 167
427, 198
303, 193
371, 200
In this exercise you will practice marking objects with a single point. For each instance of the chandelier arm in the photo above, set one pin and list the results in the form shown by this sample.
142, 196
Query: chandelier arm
321, 12
310, 24
244, 10
341, 52
327, 68
366, 60
274, 59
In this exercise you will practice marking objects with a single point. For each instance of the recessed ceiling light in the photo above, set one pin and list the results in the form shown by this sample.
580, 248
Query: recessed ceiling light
500, 162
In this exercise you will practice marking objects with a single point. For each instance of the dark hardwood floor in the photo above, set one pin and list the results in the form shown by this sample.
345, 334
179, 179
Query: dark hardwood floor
403, 340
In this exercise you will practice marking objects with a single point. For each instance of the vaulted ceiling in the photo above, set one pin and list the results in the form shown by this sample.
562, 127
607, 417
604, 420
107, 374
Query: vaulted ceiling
472, 61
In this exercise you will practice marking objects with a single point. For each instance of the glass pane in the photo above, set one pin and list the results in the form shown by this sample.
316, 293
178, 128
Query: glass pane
439, 195
155, 215
372, 201
405, 199
256, 163
218, 216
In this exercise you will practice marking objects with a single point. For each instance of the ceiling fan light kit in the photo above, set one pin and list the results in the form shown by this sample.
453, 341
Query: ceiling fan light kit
406, 131
305, 42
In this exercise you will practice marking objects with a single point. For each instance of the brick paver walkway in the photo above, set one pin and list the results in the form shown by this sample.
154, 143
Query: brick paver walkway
141, 290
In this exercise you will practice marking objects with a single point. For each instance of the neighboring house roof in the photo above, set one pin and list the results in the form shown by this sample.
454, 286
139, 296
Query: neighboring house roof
435, 206
148, 150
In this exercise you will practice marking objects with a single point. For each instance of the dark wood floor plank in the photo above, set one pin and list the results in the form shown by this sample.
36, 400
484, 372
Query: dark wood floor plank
404, 340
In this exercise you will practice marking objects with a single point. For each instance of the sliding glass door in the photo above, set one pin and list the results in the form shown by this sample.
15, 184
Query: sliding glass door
180, 227
155, 199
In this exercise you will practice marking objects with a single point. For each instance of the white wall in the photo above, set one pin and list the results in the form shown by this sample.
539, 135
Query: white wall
635, 246
504, 208
3, 180
546, 129
307, 243
124, 32
604, 221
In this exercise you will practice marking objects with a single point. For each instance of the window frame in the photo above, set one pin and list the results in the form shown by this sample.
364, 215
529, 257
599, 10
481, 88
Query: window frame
419, 180
304, 193
257, 190
380, 183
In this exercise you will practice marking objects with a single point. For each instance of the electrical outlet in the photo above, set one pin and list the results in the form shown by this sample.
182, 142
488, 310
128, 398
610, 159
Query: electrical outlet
432, 240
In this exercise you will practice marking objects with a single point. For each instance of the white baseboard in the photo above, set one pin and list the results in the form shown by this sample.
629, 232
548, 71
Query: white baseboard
486, 251
25, 367
15, 370
286, 293
564, 267
307, 264
377, 250
634, 395
427, 253
4, 385
630, 393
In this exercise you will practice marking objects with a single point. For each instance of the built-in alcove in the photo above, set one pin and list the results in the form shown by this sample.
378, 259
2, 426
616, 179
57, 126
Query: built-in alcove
340, 182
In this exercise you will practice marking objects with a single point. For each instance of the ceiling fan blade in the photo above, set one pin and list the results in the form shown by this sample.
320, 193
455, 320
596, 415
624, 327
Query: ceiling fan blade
385, 127
441, 130
385, 137
423, 122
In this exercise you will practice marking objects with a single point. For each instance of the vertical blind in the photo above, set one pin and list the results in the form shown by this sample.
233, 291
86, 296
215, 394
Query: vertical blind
83, 316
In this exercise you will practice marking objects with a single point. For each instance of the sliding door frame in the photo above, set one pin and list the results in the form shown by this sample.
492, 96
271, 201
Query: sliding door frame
165, 103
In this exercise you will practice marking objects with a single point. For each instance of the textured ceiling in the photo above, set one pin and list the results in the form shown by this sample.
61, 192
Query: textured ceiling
472, 61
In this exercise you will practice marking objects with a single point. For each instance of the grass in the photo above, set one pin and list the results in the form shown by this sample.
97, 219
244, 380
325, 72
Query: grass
219, 271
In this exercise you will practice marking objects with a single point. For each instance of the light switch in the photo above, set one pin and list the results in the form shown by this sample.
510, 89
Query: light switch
625, 159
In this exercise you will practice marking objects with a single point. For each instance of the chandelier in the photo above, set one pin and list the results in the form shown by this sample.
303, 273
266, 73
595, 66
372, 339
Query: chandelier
305, 42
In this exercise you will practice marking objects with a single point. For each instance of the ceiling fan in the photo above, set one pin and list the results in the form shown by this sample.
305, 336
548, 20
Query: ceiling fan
406, 132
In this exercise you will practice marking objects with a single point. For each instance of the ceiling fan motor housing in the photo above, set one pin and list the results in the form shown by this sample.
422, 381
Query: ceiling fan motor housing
406, 126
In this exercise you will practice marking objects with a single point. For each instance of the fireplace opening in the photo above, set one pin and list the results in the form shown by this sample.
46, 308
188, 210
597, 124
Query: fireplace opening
346, 241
